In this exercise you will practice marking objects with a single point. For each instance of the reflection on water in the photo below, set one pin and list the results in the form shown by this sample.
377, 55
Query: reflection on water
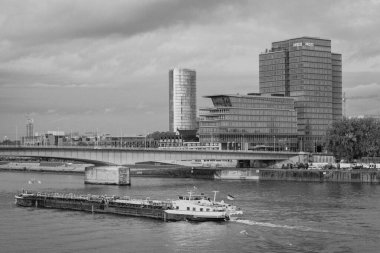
278, 217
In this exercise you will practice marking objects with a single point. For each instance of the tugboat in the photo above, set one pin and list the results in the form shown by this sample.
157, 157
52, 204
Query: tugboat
192, 207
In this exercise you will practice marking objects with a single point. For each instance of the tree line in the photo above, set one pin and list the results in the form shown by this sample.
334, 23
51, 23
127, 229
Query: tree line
352, 139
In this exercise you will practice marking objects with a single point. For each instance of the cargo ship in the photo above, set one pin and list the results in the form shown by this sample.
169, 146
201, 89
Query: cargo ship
193, 207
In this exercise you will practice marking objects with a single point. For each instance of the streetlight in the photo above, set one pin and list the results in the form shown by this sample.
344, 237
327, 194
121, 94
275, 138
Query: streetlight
121, 138
146, 135
16, 135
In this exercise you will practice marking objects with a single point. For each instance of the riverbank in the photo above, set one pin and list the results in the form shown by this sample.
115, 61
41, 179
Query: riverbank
53, 167
163, 171
371, 176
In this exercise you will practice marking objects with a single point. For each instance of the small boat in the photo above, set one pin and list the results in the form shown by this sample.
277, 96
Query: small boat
194, 207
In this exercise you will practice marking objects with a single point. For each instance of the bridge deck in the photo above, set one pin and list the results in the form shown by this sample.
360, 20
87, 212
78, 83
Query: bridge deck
122, 156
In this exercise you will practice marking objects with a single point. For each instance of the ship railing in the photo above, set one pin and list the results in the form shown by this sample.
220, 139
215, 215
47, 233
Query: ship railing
144, 202
73, 196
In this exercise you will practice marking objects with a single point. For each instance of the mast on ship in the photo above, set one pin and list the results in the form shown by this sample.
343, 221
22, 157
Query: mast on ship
215, 195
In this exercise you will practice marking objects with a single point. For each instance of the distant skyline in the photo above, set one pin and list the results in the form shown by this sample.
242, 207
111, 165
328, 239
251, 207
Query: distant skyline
94, 65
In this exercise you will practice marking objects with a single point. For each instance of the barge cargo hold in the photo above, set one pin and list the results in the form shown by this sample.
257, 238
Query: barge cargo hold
192, 207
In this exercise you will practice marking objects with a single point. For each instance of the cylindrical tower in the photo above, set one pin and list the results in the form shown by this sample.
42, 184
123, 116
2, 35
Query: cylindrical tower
182, 100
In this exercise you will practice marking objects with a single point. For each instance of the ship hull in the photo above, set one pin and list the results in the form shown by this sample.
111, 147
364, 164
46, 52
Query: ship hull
174, 215
182, 217
91, 206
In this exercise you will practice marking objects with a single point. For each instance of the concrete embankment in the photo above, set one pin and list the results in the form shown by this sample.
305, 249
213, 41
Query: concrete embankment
343, 176
44, 167
168, 171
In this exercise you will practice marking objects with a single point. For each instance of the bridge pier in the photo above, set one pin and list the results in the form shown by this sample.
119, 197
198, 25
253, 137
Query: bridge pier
115, 175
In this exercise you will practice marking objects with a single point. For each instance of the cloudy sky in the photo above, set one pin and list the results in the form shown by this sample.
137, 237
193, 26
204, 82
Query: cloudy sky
86, 65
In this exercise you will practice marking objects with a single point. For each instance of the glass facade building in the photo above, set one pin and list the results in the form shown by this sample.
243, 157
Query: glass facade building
182, 100
249, 122
305, 69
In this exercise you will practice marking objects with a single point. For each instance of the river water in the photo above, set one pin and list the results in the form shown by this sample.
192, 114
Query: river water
278, 217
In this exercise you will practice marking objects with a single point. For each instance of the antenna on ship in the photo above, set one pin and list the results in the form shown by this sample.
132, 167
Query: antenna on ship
215, 194
189, 192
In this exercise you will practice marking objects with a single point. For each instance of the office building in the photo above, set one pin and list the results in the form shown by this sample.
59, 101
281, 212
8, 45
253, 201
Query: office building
249, 122
29, 128
182, 100
305, 69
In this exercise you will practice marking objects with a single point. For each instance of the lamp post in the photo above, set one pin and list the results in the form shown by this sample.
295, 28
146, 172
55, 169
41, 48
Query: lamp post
121, 138
16, 135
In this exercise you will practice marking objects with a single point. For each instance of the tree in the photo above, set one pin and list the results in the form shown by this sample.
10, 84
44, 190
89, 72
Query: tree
158, 135
354, 138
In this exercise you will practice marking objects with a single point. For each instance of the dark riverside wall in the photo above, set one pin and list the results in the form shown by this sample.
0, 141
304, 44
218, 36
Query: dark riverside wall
174, 171
344, 176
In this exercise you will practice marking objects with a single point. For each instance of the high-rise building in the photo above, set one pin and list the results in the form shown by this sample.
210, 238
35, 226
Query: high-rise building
182, 100
305, 69
249, 122
29, 128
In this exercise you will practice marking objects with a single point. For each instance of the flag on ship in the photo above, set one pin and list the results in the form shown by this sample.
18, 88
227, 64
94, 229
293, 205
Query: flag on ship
230, 197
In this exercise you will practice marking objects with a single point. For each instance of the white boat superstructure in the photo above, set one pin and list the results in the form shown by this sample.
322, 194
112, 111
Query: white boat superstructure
199, 207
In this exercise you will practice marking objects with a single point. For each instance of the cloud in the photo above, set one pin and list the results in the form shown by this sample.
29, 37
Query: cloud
365, 91
60, 119
69, 19
108, 59
363, 99
51, 111
92, 43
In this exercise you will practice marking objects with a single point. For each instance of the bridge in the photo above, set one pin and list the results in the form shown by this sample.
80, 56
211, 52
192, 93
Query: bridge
124, 156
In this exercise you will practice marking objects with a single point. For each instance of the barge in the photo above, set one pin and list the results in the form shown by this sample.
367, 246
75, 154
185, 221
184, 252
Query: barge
192, 207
